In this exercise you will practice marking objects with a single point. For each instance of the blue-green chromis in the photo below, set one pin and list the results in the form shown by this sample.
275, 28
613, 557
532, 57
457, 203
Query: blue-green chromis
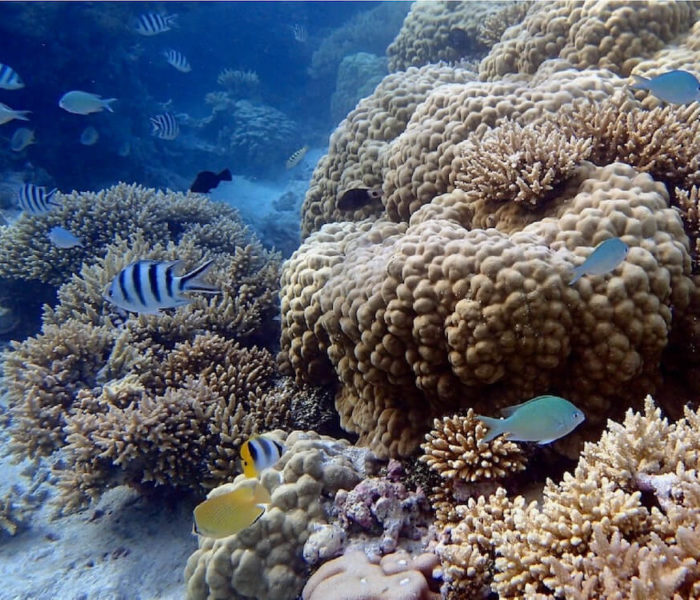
542, 420
606, 256
676, 87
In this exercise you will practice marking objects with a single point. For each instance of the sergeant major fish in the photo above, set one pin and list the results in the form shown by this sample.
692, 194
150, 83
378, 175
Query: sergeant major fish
676, 87
147, 286
177, 60
84, 103
606, 257
165, 126
259, 453
150, 24
542, 420
9, 80
35, 200
229, 509
7, 114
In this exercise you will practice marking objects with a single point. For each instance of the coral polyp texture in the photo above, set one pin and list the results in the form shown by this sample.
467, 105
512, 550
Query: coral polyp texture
164, 399
266, 560
623, 525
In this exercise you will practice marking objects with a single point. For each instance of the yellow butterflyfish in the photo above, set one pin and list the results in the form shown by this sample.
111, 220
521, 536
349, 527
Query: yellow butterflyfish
259, 453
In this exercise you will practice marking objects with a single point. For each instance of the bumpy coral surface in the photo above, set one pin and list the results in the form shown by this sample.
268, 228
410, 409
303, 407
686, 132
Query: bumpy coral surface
624, 524
418, 320
441, 31
353, 577
266, 559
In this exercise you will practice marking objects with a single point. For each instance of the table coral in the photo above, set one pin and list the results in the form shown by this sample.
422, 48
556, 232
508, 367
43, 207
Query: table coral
353, 576
624, 524
266, 559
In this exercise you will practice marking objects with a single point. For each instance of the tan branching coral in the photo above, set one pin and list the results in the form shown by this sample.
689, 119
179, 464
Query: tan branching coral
237, 82
690, 213
625, 524
524, 165
455, 450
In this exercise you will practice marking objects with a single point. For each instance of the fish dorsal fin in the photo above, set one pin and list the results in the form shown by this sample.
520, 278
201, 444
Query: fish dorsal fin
509, 410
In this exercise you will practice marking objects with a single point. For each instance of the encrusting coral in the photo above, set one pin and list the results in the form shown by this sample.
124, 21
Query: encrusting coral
623, 525
395, 576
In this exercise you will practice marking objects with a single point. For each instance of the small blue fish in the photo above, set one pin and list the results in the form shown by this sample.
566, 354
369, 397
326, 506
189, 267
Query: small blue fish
62, 238
606, 256
542, 420
676, 87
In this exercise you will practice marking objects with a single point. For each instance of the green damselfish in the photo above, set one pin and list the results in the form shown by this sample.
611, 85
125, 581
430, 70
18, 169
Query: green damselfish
542, 420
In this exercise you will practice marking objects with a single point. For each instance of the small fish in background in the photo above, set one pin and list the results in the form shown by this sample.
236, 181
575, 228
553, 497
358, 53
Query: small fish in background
177, 60
676, 87
89, 136
148, 286
22, 138
297, 157
124, 149
165, 126
227, 511
259, 453
542, 420
154, 23
84, 103
358, 197
35, 200
62, 238
208, 180
299, 32
9, 80
605, 257
7, 114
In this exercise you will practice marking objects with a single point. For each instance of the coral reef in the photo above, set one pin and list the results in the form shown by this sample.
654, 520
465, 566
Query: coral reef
123, 395
615, 36
358, 75
441, 31
355, 577
238, 83
624, 524
266, 559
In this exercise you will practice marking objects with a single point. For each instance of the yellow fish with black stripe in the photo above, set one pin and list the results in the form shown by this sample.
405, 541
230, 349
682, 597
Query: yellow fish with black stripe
259, 453
231, 508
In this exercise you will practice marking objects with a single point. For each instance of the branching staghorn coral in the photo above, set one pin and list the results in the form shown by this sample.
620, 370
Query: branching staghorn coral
524, 165
124, 394
624, 524
238, 83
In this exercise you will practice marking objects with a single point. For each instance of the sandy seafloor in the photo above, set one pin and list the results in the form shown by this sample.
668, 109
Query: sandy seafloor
125, 546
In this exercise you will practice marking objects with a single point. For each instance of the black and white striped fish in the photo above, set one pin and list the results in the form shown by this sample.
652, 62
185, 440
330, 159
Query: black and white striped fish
155, 23
35, 200
177, 60
9, 80
259, 453
165, 126
148, 286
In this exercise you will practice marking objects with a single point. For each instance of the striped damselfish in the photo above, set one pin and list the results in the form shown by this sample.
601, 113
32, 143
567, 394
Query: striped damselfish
147, 286
35, 200
9, 80
259, 453
165, 126
177, 60
154, 23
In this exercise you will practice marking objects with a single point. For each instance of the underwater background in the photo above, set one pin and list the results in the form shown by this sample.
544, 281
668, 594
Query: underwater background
350, 300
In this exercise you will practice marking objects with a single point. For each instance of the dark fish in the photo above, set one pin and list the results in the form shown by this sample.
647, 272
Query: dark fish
460, 40
206, 181
358, 197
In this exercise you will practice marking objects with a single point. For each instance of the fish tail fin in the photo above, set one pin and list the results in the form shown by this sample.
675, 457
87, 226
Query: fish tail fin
578, 272
50, 198
20, 114
192, 283
495, 427
107, 102
171, 20
640, 83
225, 175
